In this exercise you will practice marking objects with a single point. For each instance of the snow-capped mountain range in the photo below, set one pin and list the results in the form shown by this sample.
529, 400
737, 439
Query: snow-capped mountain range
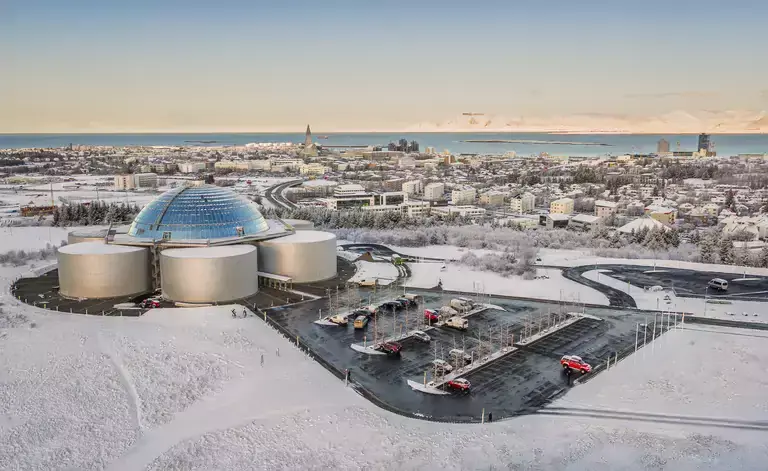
674, 122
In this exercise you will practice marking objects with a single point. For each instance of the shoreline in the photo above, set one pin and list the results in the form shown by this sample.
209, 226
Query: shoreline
534, 141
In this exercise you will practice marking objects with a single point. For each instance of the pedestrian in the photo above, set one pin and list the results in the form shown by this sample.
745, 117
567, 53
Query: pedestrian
490, 417
262, 359
245, 313
234, 314
278, 351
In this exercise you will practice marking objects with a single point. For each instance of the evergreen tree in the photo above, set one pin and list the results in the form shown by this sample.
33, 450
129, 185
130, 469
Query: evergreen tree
707, 250
726, 251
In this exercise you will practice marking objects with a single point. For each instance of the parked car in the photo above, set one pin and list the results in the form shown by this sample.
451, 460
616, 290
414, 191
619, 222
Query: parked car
338, 319
391, 348
442, 366
367, 283
422, 336
405, 302
459, 355
457, 322
361, 322
391, 305
459, 384
575, 363
149, 303
718, 284
431, 316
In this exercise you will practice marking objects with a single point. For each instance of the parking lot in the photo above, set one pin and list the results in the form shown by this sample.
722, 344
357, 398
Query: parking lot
518, 383
691, 283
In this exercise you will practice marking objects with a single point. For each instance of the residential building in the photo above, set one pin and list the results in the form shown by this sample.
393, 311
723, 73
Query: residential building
561, 206
124, 182
434, 191
313, 168
412, 187
461, 210
407, 162
711, 209
523, 204
662, 214
605, 208
492, 198
641, 223
145, 180
394, 184
191, 167
584, 222
463, 196
554, 220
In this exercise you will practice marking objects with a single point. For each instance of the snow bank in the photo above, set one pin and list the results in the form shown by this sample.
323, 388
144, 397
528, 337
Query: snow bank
456, 277
31, 238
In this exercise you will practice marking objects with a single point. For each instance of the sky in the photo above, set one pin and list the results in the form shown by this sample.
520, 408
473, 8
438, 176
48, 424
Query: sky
136, 65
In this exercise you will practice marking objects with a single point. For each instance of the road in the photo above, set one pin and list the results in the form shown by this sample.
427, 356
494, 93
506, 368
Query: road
274, 194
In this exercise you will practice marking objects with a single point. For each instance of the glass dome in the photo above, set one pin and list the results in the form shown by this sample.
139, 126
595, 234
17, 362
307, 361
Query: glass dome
198, 212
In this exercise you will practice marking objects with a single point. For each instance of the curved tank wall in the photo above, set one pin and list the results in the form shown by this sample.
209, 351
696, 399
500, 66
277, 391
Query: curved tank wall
300, 224
305, 256
209, 274
99, 270
92, 235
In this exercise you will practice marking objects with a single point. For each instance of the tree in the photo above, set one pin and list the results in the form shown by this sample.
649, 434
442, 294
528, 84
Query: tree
729, 200
726, 252
707, 250
762, 259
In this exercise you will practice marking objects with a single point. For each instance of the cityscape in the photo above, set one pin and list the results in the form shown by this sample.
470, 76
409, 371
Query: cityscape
264, 246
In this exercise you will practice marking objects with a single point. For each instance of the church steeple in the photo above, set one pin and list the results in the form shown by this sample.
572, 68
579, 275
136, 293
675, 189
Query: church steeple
308, 137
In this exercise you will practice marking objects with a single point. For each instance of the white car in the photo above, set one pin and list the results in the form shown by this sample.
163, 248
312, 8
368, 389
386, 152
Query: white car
419, 335
442, 366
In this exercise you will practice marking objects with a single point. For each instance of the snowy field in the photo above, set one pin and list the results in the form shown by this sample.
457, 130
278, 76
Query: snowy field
456, 277
185, 389
655, 300
30, 238
385, 272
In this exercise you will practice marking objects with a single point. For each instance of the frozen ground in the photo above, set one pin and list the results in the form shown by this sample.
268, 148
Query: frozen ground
386, 272
185, 389
461, 278
655, 300
30, 238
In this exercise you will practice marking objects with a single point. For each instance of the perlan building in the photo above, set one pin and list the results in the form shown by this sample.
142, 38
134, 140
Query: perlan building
197, 244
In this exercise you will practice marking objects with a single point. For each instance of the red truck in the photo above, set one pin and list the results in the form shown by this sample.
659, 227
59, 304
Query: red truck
575, 363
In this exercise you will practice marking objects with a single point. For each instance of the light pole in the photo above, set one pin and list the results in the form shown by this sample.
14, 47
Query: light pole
706, 292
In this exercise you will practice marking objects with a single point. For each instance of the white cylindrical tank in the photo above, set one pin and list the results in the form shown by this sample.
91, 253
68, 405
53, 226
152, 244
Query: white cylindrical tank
300, 224
305, 256
91, 234
209, 274
99, 270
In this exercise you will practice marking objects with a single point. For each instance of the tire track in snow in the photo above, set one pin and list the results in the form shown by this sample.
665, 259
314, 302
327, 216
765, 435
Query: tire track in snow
134, 401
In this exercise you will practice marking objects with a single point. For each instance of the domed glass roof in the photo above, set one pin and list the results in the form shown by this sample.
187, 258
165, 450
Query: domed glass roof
198, 212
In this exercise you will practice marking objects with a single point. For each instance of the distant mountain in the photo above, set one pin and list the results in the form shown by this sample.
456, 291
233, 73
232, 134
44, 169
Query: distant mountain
673, 122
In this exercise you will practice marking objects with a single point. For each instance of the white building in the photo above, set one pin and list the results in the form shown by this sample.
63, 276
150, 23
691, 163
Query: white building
463, 196
464, 210
124, 182
605, 208
434, 191
350, 189
191, 167
407, 162
145, 180
523, 204
313, 169
413, 187
492, 198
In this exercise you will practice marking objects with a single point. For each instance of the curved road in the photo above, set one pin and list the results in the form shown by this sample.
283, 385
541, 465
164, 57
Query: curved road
274, 194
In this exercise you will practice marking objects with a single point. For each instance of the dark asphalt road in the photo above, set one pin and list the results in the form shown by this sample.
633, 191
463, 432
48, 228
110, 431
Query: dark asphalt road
518, 383
689, 282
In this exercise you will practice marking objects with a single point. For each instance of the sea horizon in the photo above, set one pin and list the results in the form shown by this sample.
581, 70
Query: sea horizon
522, 143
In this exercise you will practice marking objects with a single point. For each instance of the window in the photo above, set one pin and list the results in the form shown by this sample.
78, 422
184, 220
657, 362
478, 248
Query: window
167, 235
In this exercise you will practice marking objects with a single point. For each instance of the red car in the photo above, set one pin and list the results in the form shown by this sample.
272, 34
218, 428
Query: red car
575, 363
431, 316
150, 303
391, 348
459, 384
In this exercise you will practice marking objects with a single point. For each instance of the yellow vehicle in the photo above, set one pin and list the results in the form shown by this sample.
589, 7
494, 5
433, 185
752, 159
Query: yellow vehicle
361, 322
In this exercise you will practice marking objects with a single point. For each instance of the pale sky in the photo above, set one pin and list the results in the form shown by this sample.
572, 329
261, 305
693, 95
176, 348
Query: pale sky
136, 65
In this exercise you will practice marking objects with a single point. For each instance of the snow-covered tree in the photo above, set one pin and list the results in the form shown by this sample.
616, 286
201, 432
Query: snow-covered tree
726, 251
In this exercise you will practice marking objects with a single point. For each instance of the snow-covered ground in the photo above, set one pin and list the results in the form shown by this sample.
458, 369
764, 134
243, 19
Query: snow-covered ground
446, 252
385, 272
185, 389
30, 238
577, 258
655, 300
457, 277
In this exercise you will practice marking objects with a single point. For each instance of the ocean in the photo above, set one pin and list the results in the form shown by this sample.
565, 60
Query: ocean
527, 143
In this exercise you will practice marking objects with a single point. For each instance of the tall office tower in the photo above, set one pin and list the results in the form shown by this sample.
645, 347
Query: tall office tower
704, 142
663, 147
